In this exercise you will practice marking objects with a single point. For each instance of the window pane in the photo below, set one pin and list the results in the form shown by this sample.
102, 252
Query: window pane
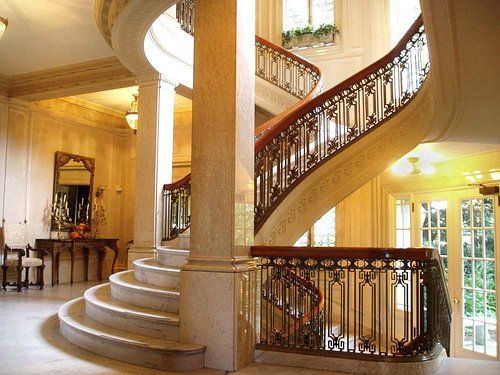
466, 243
491, 340
478, 243
467, 269
488, 212
296, 14
322, 12
302, 241
476, 212
324, 230
466, 214
489, 243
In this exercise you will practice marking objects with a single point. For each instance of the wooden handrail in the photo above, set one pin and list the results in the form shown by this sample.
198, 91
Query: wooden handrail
415, 253
276, 120
179, 183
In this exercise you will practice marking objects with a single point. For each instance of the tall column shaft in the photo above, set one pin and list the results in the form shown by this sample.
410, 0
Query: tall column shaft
153, 161
216, 307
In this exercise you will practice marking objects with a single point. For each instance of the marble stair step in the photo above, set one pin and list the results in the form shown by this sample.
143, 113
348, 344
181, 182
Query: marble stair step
78, 328
126, 288
150, 271
172, 256
102, 307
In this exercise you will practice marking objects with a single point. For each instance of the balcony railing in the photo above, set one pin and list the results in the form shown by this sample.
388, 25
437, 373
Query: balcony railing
273, 64
373, 303
293, 144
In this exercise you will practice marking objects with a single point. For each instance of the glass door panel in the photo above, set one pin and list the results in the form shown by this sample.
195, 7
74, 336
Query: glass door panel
434, 229
479, 314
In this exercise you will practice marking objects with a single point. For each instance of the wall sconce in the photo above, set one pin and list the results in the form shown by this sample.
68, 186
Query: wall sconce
100, 190
132, 115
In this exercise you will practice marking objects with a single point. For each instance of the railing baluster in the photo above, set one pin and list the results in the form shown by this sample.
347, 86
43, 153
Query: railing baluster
302, 288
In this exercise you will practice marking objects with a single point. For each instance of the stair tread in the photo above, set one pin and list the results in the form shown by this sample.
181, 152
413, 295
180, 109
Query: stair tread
100, 295
172, 249
152, 263
127, 279
73, 314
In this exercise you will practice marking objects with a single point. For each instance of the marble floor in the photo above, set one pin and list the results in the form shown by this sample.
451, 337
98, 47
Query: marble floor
30, 343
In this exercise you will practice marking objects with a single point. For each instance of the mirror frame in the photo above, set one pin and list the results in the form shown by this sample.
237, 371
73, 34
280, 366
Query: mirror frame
62, 158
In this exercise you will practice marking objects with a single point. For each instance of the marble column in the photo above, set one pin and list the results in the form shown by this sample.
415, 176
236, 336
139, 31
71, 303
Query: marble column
217, 284
153, 161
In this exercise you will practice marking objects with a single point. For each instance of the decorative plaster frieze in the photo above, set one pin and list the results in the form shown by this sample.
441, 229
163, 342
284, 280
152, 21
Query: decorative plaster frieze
97, 75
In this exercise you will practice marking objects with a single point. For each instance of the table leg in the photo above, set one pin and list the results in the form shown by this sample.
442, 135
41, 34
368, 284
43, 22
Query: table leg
58, 263
86, 263
101, 253
53, 265
113, 246
72, 254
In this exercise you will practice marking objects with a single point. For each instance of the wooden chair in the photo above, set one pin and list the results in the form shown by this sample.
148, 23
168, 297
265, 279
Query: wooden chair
14, 242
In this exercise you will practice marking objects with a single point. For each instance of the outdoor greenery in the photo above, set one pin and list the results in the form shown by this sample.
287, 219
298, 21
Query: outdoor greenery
316, 32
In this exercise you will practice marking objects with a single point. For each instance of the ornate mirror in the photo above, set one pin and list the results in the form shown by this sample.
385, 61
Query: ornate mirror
73, 182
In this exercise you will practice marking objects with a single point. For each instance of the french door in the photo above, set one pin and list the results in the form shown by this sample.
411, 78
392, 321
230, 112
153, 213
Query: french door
463, 226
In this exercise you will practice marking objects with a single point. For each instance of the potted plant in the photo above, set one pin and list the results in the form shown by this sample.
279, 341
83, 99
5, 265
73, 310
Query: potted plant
309, 36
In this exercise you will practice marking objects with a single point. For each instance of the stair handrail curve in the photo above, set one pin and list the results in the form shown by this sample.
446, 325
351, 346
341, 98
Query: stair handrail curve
274, 64
297, 143
406, 287
314, 133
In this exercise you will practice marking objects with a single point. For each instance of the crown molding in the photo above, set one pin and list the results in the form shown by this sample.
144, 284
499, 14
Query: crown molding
82, 112
97, 75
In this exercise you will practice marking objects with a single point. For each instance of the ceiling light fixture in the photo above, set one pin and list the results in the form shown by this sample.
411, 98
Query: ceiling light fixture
412, 165
132, 115
3, 25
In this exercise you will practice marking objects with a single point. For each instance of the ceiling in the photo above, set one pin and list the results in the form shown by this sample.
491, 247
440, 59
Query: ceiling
44, 34
119, 99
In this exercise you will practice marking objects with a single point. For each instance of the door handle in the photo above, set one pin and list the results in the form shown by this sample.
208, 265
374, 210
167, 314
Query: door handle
456, 300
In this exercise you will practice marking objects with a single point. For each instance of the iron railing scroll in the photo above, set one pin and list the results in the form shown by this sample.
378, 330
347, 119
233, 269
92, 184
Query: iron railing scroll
333, 120
371, 303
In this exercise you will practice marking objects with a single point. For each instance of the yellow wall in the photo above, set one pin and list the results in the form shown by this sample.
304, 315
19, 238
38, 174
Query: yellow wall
366, 217
31, 133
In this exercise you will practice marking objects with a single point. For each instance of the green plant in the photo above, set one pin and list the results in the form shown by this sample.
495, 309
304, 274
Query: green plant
325, 29
316, 32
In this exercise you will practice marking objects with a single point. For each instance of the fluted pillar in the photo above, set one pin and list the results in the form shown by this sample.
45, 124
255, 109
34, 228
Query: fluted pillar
153, 161
217, 284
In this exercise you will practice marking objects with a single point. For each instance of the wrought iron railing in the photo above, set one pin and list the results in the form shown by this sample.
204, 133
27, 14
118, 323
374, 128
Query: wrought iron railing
293, 144
273, 64
378, 304
333, 120
176, 208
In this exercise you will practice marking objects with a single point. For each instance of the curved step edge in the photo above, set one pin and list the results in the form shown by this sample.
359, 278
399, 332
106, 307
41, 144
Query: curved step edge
103, 308
126, 288
140, 350
172, 256
150, 271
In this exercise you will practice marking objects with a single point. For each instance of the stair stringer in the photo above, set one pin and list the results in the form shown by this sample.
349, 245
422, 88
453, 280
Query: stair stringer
351, 168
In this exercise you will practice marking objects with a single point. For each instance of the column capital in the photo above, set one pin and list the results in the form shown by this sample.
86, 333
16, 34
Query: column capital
156, 78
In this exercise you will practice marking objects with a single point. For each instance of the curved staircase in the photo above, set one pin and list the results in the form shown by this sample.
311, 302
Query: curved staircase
135, 317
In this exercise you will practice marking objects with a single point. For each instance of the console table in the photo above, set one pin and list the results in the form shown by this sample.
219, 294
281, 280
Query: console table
56, 247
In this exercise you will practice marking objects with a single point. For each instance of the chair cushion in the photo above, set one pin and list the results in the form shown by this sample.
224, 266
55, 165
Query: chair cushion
26, 262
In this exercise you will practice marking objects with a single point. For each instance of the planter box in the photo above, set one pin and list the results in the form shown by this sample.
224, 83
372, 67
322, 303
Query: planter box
309, 40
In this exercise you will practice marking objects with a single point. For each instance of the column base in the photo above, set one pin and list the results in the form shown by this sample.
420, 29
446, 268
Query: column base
139, 252
218, 311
